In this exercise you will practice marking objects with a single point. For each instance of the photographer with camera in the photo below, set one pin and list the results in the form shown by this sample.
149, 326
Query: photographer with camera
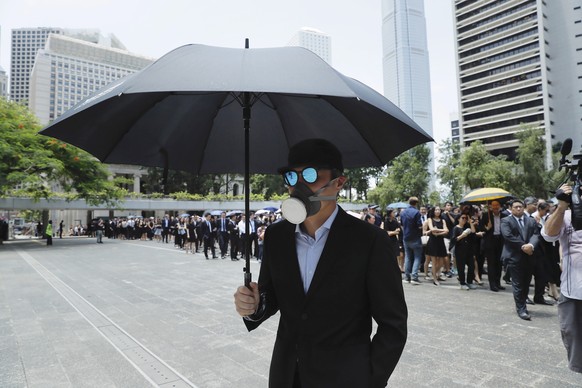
559, 226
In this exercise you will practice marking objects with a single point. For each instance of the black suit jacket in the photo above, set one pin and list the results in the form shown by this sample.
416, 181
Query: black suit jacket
485, 221
206, 232
514, 240
326, 332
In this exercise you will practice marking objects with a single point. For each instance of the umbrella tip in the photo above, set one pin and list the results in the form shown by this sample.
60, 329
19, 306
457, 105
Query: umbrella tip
246, 43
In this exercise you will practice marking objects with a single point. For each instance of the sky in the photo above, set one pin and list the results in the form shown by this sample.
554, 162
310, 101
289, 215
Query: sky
155, 27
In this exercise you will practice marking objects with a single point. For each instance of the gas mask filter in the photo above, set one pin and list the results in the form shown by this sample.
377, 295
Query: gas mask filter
303, 203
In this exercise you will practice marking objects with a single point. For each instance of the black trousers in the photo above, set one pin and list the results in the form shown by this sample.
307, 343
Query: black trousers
234, 246
223, 242
209, 243
464, 257
494, 247
521, 270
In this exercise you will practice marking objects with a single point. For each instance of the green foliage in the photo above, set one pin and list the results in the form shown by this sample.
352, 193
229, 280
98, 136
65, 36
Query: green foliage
532, 176
178, 181
478, 168
269, 185
447, 173
358, 180
30, 164
406, 175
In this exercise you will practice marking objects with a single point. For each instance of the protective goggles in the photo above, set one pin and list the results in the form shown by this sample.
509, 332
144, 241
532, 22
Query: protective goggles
309, 175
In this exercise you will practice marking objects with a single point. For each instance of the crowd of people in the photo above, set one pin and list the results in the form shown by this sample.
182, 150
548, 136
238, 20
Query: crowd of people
209, 234
466, 242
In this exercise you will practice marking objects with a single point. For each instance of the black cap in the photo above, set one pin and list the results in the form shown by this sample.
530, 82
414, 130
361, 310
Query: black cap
316, 153
373, 206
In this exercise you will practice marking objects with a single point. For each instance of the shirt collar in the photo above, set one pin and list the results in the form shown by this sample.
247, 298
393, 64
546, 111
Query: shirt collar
324, 227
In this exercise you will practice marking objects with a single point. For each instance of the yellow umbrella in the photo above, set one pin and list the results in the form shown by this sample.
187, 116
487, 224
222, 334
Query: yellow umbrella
485, 194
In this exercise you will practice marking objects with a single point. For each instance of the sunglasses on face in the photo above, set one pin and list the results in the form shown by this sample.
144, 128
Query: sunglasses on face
309, 175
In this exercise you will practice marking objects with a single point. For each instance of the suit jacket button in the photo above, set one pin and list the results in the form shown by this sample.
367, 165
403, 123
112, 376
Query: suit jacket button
304, 316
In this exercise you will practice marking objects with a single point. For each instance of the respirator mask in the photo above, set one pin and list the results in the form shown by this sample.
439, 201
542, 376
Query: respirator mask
303, 202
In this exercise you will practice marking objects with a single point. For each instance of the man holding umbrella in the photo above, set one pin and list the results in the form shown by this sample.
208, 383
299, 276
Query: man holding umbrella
329, 274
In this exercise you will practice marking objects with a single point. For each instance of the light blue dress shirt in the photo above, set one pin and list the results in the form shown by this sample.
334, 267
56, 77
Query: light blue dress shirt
309, 249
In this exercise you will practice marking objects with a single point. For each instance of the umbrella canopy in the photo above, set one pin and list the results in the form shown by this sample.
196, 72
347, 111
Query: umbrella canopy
184, 215
271, 209
485, 194
398, 205
193, 95
262, 211
206, 98
234, 213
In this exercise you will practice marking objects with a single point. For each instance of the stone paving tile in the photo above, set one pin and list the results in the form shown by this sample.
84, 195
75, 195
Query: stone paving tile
180, 307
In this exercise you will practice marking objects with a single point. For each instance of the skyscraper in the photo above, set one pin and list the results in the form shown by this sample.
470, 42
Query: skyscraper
405, 62
25, 44
519, 64
71, 67
3, 81
314, 40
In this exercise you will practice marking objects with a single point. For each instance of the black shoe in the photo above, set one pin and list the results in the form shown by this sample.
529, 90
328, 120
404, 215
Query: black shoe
529, 301
215, 257
494, 289
499, 286
206, 257
524, 315
543, 302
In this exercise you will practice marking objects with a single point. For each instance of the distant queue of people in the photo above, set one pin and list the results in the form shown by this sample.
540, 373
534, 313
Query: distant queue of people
212, 235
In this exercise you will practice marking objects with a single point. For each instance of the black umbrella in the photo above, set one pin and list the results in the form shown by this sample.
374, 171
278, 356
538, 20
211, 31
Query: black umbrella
194, 98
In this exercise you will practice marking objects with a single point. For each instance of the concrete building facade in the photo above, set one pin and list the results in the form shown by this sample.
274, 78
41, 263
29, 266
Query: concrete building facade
314, 40
405, 61
519, 65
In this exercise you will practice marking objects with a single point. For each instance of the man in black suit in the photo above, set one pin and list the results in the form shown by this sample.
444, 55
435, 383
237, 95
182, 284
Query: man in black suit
521, 239
329, 275
222, 226
165, 228
208, 229
493, 242
233, 237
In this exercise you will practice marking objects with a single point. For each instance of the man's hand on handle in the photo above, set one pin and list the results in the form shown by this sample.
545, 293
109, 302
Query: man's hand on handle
247, 300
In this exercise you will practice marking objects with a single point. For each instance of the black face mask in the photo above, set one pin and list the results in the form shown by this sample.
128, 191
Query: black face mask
304, 203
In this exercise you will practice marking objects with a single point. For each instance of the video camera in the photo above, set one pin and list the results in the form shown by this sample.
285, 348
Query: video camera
573, 175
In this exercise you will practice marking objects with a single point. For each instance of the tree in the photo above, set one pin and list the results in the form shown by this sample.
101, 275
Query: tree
478, 168
178, 181
531, 178
406, 175
267, 184
447, 172
359, 180
31, 164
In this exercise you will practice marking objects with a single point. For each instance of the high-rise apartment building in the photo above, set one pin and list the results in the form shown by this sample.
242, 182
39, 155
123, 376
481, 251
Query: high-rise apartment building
405, 62
314, 40
70, 68
25, 43
519, 65
3, 83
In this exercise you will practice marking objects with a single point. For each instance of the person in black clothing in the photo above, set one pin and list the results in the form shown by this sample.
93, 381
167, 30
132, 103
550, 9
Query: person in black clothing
464, 253
392, 227
3, 230
208, 230
233, 236
223, 235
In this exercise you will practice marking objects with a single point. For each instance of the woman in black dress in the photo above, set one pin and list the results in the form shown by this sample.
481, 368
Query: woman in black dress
436, 251
392, 227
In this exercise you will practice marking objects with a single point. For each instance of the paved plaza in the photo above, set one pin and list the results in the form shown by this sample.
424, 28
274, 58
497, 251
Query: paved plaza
141, 313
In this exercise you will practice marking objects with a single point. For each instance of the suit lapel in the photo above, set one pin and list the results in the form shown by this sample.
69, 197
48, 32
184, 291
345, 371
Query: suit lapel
290, 263
329, 255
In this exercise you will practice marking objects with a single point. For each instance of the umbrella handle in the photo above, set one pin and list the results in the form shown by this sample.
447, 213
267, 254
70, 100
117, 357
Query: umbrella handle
248, 278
